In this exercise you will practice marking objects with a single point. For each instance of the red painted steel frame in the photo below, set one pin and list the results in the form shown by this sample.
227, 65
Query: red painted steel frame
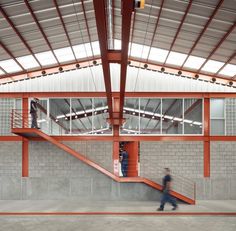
100, 13
25, 143
206, 134
127, 9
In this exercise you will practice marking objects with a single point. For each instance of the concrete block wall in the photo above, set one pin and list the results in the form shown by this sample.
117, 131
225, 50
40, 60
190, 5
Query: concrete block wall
55, 175
48, 160
10, 158
183, 158
223, 160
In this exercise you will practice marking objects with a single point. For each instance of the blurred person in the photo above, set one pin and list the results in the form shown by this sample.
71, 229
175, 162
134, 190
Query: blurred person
33, 113
166, 197
124, 162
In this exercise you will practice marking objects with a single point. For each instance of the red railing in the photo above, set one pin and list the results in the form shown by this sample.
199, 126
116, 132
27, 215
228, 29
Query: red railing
20, 118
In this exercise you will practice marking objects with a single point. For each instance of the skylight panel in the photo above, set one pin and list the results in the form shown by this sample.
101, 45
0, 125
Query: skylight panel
82, 50
117, 44
96, 48
176, 58
28, 61
158, 55
212, 66
229, 70
1, 72
64, 54
139, 51
46, 58
194, 62
10, 66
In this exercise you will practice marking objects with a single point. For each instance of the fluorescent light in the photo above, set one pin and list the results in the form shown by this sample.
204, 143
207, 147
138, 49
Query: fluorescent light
28, 61
194, 62
46, 58
10, 66
158, 55
176, 58
64, 54
229, 70
212, 66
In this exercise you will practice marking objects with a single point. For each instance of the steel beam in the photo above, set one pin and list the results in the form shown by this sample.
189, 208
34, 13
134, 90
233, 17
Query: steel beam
127, 9
64, 27
178, 30
100, 14
203, 31
7, 18
40, 28
11, 55
217, 46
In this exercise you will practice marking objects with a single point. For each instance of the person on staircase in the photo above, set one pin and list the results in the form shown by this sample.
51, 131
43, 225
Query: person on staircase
166, 197
33, 113
124, 162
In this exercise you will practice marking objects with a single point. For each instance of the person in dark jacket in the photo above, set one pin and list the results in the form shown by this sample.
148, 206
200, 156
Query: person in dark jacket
124, 162
166, 197
33, 113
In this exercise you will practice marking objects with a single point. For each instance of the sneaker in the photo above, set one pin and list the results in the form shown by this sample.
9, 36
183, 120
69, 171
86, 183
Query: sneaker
175, 207
160, 209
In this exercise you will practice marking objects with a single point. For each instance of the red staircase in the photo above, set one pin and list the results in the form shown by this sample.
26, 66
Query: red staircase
20, 126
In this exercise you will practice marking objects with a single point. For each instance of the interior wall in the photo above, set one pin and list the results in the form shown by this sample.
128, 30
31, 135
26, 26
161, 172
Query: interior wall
186, 159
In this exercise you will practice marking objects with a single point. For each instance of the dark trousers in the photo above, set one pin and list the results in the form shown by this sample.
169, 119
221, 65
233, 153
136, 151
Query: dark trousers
124, 168
166, 197
34, 123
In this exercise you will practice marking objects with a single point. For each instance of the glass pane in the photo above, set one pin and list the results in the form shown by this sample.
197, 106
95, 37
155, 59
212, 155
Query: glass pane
150, 116
230, 108
172, 116
101, 126
131, 114
192, 116
217, 127
60, 116
6, 106
82, 116
217, 108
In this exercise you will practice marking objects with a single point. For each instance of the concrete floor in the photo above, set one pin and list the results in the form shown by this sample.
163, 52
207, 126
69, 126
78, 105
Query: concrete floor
114, 222
110, 206
117, 223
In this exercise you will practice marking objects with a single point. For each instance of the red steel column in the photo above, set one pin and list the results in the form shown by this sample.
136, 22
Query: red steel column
116, 148
25, 142
207, 156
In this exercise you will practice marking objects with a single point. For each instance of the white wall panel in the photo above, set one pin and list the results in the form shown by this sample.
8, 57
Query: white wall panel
145, 80
91, 79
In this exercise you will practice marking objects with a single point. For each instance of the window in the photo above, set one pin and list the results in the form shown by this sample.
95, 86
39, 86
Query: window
167, 116
217, 115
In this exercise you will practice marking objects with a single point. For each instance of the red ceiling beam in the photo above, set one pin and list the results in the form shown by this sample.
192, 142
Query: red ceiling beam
203, 31
19, 35
178, 30
41, 29
100, 14
64, 27
127, 9
11, 55
218, 45
227, 62
113, 57
155, 30
86, 23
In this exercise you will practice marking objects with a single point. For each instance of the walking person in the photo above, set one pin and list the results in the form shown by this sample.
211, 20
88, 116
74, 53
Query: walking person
166, 197
33, 113
124, 162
